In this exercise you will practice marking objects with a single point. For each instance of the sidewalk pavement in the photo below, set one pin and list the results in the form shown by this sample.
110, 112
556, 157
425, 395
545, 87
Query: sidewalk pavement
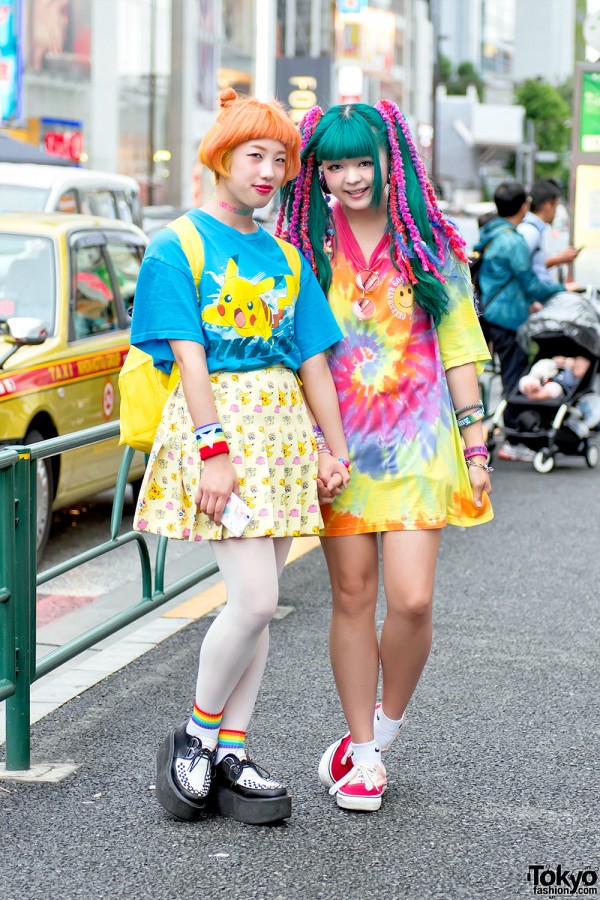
497, 770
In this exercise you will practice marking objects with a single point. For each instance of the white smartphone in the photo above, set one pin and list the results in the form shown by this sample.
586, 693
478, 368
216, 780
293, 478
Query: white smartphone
236, 515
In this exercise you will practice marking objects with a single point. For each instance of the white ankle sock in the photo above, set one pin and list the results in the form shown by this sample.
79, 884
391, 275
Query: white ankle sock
368, 753
385, 729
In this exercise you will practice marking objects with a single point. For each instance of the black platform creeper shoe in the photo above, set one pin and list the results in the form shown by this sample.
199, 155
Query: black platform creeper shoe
184, 774
245, 792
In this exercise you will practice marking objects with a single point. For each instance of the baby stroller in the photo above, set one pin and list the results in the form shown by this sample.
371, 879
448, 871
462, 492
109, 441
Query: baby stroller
569, 325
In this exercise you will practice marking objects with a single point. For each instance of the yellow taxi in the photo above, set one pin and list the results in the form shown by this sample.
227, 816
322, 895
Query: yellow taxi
66, 285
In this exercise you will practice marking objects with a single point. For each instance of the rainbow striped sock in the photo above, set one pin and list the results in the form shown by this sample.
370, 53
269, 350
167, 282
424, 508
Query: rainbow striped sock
230, 742
205, 725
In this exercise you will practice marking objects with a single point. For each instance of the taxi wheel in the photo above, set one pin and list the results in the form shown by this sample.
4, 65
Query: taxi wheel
45, 495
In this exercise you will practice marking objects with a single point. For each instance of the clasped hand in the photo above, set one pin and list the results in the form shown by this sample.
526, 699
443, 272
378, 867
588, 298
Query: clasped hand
332, 478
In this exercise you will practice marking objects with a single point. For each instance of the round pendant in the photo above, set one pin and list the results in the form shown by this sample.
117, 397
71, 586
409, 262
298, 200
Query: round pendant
363, 308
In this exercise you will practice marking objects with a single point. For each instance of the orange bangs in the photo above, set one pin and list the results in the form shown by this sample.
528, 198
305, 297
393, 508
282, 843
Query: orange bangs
247, 119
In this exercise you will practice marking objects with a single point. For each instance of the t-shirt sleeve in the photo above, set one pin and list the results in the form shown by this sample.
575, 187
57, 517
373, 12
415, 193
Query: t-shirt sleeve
459, 333
166, 304
315, 327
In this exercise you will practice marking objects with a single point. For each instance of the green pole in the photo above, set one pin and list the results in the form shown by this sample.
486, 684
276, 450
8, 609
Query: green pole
7, 572
18, 742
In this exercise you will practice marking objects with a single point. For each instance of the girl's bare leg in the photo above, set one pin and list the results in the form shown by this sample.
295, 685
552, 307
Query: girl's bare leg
409, 561
353, 564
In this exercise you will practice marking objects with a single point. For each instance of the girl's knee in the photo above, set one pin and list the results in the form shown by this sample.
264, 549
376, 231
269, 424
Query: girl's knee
355, 596
259, 605
415, 606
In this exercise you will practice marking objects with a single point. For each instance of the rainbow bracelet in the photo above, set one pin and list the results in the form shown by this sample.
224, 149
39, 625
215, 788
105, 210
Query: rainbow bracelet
211, 440
345, 462
470, 419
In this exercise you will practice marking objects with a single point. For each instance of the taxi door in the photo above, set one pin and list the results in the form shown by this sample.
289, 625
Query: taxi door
104, 266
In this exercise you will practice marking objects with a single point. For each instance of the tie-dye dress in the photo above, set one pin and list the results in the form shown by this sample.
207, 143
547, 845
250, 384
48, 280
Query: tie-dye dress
408, 468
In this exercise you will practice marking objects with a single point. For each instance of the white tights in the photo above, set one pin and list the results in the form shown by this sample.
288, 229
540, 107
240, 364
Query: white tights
234, 651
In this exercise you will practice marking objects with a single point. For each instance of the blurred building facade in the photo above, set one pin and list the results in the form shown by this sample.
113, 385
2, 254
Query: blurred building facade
552, 55
131, 85
480, 32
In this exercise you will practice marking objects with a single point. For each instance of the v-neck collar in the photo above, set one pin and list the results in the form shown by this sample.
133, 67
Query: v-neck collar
351, 245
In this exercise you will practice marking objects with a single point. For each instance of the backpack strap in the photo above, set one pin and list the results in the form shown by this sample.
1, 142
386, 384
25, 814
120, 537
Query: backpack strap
483, 303
192, 246
537, 246
292, 255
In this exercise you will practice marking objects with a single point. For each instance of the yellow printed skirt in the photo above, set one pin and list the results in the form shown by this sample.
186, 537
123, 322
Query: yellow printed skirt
272, 449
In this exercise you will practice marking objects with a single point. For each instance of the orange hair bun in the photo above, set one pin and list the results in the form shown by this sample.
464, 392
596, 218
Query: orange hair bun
226, 96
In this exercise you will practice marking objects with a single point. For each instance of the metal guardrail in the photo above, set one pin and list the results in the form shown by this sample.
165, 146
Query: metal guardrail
19, 579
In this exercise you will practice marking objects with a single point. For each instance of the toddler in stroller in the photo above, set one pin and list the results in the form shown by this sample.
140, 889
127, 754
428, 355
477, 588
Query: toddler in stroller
549, 379
554, 408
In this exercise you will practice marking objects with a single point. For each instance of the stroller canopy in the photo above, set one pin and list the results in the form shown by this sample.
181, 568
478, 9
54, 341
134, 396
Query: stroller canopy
568, 315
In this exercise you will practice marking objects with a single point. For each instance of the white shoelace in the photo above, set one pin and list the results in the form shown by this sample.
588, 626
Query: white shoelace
361, 772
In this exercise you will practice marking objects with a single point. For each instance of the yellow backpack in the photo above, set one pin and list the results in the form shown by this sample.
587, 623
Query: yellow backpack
144, 389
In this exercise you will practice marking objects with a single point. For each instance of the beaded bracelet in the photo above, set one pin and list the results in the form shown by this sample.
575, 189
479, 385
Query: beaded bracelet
471, 462
471, 418
475, 450
211, 440
322, 445
345, 462
463, 409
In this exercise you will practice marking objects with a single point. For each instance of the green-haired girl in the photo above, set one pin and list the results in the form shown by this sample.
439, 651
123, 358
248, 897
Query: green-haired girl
364, 214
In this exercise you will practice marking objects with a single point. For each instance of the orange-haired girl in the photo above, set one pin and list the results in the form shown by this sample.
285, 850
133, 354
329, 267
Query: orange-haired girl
236, 424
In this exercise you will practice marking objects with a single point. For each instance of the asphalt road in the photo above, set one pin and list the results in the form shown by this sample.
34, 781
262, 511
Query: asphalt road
498, 768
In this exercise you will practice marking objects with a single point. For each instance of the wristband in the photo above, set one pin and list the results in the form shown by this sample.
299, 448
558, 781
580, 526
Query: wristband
211, 440
471, 418
345, 462
475, 450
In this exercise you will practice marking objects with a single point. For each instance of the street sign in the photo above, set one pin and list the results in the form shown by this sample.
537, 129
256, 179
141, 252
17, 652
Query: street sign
590, 113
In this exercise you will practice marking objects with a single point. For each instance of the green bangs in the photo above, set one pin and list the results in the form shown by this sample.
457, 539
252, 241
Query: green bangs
351, 132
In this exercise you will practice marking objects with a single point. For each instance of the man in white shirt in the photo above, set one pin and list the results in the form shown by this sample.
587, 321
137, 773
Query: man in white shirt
535, 228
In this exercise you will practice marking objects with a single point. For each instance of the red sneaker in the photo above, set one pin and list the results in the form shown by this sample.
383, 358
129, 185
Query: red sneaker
362, 788
336, 762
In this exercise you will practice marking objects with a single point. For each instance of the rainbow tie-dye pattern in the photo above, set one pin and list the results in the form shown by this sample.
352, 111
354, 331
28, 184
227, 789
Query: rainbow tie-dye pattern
408, 470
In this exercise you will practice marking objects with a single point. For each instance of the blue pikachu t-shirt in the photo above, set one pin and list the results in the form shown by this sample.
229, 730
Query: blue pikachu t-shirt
249, 315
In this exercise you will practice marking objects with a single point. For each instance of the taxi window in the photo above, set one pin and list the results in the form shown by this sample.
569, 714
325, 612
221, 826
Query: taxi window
27, 278
100, 203
123, 208
67, 202
126, 260
95, 308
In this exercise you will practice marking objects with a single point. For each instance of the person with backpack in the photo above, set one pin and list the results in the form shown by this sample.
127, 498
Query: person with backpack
536, 227
363, 212
249, 345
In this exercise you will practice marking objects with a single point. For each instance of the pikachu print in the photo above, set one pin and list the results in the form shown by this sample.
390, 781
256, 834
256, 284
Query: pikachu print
240, 304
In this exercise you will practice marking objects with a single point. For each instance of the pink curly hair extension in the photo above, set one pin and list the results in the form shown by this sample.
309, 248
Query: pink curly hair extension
434, 212
398, 192
297, 232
